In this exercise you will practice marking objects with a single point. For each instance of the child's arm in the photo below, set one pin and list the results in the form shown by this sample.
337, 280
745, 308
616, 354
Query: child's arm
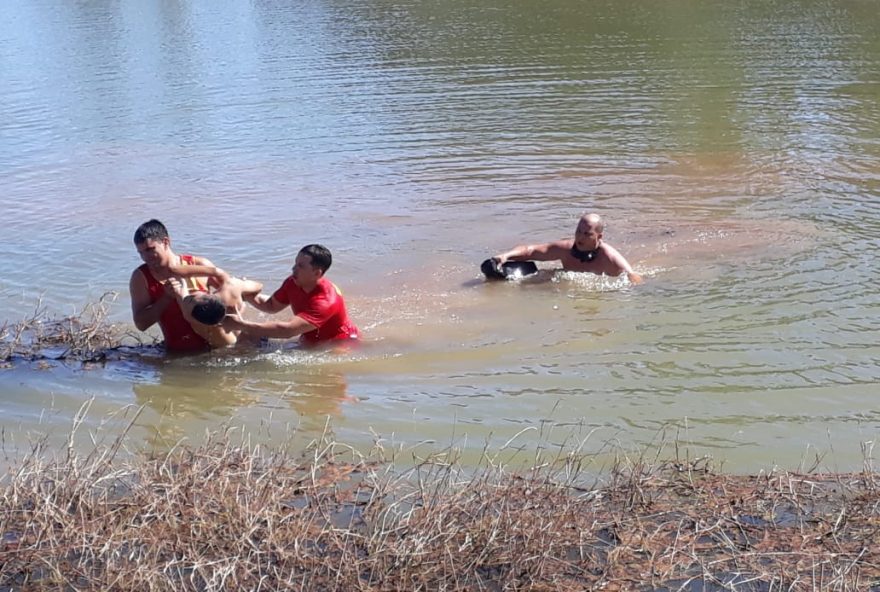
188, 271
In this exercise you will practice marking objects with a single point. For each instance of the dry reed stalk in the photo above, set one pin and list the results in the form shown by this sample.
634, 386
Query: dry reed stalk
85, 336
228, 515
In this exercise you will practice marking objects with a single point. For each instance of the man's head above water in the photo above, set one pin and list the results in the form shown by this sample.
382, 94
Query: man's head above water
153, 244
588, 234
311, 263
587, 237
150, 230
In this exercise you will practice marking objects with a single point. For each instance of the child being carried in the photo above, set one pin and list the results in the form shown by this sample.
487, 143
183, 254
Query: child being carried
205, 310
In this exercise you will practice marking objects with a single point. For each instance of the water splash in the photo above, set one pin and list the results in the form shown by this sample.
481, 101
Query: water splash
589, 282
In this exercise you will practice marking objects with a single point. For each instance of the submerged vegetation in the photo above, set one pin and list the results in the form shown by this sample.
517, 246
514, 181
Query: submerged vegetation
86, 336
227, 516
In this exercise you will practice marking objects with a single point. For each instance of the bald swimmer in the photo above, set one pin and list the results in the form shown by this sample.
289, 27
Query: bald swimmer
586, 252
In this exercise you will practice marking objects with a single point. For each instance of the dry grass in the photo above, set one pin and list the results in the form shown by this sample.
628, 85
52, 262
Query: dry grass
84, 336
230, 516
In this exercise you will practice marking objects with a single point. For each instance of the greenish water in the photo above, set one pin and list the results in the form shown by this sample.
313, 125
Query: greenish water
731, 146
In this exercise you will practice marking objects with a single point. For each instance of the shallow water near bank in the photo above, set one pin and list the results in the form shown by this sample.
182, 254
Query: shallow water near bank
731, 149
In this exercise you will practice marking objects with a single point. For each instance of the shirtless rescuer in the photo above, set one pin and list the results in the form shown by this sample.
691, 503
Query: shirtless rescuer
585, 252
320, 316
205, 310
152, 297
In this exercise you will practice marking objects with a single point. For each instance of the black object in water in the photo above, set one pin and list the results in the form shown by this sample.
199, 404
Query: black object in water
510, 270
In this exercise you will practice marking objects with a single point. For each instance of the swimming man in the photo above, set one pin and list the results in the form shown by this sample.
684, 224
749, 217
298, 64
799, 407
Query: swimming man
585, 252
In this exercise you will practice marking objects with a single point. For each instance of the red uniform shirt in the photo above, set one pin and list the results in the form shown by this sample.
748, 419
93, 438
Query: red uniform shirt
323, 307
179, 334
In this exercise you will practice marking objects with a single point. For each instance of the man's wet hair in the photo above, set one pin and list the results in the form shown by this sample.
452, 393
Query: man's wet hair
209, 310
150, 230
320, 255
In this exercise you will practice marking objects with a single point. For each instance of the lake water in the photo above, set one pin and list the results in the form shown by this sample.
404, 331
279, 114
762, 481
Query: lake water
732, 147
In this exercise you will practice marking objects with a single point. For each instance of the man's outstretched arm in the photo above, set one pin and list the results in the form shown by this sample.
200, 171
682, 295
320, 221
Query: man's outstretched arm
624, 265
272, 329
263, 302
544, 252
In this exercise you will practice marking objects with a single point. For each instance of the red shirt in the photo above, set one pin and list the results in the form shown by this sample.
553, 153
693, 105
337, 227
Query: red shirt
323, 307
179, 334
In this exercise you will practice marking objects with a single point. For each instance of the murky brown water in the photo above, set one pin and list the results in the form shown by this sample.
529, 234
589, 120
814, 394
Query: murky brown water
732, 148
